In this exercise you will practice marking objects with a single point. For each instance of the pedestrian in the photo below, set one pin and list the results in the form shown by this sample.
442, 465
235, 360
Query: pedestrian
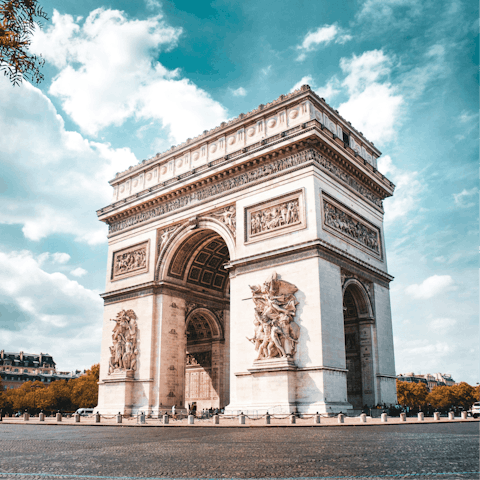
173, 410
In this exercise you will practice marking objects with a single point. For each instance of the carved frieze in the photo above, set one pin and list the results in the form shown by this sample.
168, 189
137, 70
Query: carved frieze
165, 235
124, 351
277, 216
130, 261
276, 333
237, 182
350, 226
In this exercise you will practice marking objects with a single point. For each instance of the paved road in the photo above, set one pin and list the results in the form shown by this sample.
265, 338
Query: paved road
48, 452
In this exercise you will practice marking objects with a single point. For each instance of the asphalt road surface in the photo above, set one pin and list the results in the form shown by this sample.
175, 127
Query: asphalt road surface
435, 451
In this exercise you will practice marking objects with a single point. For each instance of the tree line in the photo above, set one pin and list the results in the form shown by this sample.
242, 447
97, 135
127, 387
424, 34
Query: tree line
443, 398
63, 395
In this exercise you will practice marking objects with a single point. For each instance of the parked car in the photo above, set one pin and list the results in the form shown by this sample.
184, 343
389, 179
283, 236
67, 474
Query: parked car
475, 411
84, 411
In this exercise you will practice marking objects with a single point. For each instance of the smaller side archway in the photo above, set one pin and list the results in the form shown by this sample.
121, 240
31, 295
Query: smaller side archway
359, 326
205, 360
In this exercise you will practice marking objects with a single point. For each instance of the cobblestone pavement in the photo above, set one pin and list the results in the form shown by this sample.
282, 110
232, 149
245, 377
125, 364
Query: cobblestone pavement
436, 451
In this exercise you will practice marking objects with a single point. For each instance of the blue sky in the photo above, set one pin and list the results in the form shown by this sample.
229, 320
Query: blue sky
125, 80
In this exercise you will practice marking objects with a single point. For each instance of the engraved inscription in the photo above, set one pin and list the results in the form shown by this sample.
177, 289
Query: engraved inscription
344, 223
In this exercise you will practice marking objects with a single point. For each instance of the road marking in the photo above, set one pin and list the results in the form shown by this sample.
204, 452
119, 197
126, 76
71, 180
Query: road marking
371, 477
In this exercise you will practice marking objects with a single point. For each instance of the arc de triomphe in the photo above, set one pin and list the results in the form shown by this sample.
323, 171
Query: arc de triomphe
247, 270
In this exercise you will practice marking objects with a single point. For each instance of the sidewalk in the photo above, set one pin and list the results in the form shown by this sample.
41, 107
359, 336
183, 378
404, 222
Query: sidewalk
230, 422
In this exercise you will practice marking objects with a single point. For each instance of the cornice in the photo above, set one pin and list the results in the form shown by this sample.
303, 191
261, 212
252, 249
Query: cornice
317, 244
324, 141
227, 128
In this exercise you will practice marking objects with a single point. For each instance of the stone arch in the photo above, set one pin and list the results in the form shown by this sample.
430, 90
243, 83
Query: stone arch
360, 296
182, 232
215, 326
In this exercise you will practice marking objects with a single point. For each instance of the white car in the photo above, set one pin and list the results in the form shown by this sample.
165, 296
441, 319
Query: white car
475, 411
85, 411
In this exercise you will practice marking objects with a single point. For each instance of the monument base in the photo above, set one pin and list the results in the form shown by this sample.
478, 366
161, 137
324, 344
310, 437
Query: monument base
278, 386
271, 382
116, 391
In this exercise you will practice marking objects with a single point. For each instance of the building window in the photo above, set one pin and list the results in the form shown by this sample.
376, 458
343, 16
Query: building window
25, 371
16, 370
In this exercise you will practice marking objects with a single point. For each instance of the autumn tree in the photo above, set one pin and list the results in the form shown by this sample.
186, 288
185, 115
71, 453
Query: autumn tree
411, 394
18, 19
441, 397
85, 388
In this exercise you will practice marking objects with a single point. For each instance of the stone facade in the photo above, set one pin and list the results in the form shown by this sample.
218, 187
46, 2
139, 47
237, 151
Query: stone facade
252, 258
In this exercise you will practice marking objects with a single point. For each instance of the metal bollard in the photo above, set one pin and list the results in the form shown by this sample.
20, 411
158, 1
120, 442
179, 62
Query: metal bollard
41, 417
216, 420
451, 416
421, 417
267, 419
26, 417
97, 418
384, 418
119, 418
191, 419
317, 418
363, 418
341, 418
403, 417
436, 416
241, 419
165, 419
77, 418
293, 419
464, 415
58, 417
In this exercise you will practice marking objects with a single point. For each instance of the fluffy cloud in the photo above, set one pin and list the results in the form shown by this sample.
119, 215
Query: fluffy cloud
108, 74
57, 257
57, 178
322, 36
466, 198
78, 272
239, 92
374, 105
408, 189
430, 287
307, 80
36, 306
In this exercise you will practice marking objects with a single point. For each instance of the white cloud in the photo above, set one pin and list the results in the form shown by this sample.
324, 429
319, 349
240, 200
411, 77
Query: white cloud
48, 312
62, 177
468, 117
373, 107
330, 90
430, 287
442, 324
408, 189
307, 80
322, 36
108, 74
78, 272
239, 92
466, 198
57, 257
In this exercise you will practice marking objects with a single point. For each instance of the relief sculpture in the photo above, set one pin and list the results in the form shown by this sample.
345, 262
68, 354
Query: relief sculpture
276, 333
124, 352
203, 359
228, 217
130, 261
344, 223
274, 217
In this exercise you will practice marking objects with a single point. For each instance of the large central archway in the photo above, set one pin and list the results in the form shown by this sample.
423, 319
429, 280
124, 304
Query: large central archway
194, 260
